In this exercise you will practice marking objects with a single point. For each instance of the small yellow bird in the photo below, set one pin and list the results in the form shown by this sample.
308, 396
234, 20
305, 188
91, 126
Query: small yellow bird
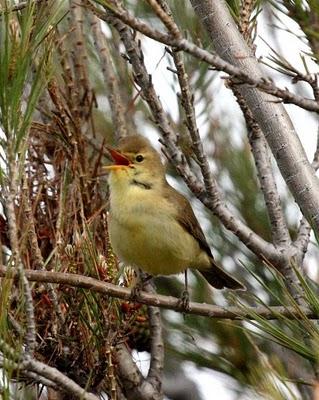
151, 225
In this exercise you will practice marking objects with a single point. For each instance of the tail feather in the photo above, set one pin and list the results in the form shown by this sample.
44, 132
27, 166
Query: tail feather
220, 279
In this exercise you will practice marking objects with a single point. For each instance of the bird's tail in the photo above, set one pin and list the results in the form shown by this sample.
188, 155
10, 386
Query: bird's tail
219, 279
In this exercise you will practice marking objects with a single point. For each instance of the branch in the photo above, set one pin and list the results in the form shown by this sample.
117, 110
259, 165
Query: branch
155, 373
279, 229
13, 359
303, 236
62, 381
214, 60
271, 116
166, 302
135, 386
262, 158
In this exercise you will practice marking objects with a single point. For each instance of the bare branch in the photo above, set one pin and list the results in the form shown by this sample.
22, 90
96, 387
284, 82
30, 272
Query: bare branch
12, 358
157, 346
62, 381
262, 157
214, 60
136, 387
279, 229
157, 300
187, 101
271, 117
302, 240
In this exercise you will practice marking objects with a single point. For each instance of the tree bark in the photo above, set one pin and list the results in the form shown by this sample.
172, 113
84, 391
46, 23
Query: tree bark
270, 115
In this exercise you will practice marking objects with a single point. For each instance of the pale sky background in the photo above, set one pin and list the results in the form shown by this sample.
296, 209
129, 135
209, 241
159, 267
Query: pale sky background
306, 124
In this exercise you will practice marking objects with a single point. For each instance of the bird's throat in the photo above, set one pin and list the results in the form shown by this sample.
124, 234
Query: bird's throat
143, 185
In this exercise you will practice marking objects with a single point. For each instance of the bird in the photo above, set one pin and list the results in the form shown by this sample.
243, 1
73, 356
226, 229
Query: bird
152, 226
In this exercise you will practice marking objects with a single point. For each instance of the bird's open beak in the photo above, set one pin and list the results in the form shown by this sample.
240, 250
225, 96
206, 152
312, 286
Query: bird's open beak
119, 159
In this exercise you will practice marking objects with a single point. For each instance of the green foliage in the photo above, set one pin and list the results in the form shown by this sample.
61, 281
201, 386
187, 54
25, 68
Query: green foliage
306, 14
25, 44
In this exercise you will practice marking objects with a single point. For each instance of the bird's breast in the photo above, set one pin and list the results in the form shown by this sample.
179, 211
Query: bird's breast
145, 233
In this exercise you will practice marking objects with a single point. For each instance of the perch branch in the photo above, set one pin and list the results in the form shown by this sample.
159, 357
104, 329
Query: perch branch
157, 300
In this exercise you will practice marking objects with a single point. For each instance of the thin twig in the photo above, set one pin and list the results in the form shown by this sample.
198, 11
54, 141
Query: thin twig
212, 59
16, 257
110, 79
187, 101
35, 250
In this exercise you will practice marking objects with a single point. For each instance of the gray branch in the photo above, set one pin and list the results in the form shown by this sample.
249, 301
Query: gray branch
40, 372
136, 387
157, 300
270, 115
155, 373
217, 62
262, 158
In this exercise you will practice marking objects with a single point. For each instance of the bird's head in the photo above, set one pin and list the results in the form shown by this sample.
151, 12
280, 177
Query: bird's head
135, 161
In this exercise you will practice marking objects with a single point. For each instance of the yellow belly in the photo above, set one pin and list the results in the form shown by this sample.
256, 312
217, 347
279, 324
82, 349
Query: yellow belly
157, 245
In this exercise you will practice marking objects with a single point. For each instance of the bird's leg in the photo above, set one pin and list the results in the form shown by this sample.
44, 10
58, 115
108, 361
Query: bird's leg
184, 300
142, 278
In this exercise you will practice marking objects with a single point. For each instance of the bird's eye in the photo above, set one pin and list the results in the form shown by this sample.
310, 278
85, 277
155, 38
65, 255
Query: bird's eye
139, 158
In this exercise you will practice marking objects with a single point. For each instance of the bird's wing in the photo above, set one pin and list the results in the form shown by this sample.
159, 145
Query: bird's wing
187, 218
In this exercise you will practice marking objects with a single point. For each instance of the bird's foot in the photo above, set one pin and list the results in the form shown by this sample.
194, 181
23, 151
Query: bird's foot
136, 291
184, 300
138, 287
144, 277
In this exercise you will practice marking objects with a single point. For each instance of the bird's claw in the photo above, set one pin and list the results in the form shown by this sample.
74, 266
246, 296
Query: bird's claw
139, 286
184, 300
136, 291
